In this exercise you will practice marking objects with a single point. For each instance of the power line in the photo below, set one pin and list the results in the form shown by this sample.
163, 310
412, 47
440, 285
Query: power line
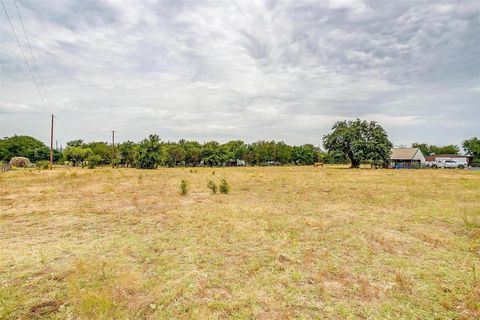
23, 53
31, 51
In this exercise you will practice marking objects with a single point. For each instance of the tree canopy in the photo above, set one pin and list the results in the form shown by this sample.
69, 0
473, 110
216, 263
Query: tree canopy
23, 146
349, 141
472, 147
433, 149
149, 153
359, 141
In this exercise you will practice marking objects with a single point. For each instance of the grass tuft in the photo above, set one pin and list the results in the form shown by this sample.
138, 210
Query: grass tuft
224, 187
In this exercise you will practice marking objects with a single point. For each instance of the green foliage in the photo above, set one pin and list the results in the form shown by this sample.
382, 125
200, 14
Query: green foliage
432, 149
77, 155
148, 153
472, 147
43, 164
75, 143
333, 157
102, 150
235, 150
183, 187
306, 154
93, 160
193, 152
23, 146
213, 154
212, 186
224, 187
359, 140
126, 151
173, 155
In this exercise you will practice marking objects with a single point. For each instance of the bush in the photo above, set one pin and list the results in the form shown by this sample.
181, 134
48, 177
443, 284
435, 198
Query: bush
93, 161
183, 187
212, 186
44, 164
224, 187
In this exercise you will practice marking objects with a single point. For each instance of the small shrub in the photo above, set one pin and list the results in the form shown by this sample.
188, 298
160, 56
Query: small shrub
183, 187
213, 172
224, 187
93, 161
44, 164
212, 186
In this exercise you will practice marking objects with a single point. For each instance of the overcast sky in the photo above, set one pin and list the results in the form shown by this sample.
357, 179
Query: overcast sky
283, 70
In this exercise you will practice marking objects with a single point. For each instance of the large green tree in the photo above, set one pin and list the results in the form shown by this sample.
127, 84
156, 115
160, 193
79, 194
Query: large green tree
304, 155
126, 152
23, 146
193, 152
77, 155
359, 140
148, 153
173, 154
213, 154
101, 149
472, 147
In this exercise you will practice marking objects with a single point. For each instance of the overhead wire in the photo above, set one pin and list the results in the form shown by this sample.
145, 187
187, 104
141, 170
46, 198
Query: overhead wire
40, 80
23, 53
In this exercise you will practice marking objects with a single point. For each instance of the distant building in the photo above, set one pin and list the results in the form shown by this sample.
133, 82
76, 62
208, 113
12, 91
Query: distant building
406, 158
441, 158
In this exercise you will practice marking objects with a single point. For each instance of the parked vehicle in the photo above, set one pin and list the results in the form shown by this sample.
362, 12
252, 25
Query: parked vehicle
448, 164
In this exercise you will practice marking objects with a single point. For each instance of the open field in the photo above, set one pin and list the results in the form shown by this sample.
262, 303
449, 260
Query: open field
287, 242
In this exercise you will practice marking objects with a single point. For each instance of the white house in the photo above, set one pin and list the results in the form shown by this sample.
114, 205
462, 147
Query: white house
406, 158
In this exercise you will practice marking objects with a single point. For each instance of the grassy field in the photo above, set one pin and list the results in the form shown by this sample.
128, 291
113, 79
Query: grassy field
286, 242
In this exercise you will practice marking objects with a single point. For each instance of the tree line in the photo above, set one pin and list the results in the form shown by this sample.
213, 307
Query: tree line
353, 142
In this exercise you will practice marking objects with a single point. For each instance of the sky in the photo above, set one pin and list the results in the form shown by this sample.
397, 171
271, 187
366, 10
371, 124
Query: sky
250, 70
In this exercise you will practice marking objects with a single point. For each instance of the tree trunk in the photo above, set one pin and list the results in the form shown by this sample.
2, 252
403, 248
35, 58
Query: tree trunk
355, 163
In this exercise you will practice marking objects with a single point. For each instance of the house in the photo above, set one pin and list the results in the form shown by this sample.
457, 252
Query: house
405, 158
441, 158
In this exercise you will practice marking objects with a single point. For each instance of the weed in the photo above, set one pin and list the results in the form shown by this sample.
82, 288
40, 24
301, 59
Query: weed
471, 219
212, 186
224, 187
183, 187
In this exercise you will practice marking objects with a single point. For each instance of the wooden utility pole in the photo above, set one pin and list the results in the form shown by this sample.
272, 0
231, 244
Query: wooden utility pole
51, 145
113, 148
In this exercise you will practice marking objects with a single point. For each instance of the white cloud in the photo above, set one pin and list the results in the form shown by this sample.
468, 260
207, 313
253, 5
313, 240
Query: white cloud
249, 70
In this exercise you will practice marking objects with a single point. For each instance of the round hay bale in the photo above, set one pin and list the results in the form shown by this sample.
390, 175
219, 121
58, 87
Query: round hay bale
21, 162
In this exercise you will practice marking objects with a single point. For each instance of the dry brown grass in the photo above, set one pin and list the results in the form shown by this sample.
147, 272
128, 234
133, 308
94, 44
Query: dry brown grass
288, 242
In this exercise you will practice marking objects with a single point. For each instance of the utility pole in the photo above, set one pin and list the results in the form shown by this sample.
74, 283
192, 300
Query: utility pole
113, 148
51, 145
